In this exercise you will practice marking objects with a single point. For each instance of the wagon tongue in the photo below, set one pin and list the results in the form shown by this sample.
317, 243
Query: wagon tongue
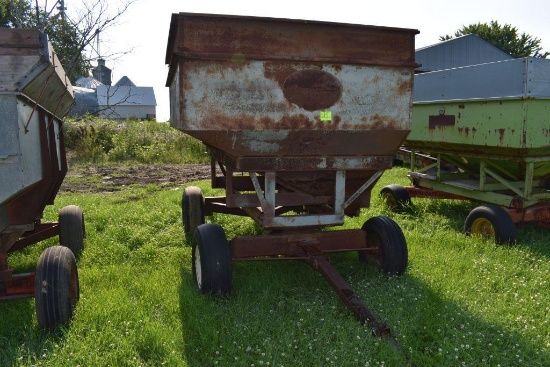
321, 263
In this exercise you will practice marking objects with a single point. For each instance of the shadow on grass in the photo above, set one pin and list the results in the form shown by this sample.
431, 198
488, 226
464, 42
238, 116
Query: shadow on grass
453, 213
535, 238
283, 313
22, 342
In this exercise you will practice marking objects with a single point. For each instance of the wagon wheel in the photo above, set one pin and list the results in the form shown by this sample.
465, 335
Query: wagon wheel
211, 258
192, 208
71, 229
396, 197
491, 222
56, 288
386, 245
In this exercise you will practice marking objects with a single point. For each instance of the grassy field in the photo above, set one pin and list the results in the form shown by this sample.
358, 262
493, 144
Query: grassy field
96, 140
462, 302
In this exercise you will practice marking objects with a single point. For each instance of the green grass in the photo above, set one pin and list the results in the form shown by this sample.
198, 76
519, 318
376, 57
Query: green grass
99, 140
462, 301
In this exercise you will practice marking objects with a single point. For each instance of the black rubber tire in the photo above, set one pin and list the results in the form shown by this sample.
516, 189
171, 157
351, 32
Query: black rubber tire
192, 209
71, 229
396, 197
56, 288
384, 235
212, 268
491, 221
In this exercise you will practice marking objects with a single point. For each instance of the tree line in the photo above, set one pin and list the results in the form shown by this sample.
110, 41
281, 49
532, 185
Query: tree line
72, 35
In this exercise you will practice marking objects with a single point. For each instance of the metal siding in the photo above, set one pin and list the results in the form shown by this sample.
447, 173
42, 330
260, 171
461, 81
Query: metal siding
458, 52
20, 163
175, 116
10, 153
31, 163
537, 78
504, 79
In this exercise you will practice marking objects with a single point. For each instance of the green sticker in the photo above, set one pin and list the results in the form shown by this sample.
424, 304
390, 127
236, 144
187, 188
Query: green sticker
326, 116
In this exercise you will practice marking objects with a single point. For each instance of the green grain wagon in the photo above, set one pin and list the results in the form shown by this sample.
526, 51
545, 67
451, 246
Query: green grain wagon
487, 128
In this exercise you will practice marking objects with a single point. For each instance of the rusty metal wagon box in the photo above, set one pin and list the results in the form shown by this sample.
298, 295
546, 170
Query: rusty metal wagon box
277, 87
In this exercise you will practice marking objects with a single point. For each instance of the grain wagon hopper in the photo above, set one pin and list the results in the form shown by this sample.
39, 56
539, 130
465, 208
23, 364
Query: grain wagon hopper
300, 118
487, 129
34, 94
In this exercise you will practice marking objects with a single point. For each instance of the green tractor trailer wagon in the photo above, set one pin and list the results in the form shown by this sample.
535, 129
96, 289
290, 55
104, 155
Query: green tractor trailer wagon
482, 133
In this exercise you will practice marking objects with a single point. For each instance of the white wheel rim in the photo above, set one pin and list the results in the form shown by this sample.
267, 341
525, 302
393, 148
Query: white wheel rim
198, 269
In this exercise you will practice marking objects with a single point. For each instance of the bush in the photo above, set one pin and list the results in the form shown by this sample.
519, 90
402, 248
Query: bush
97, 140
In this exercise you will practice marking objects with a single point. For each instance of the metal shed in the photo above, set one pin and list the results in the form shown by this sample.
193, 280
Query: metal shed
457, 52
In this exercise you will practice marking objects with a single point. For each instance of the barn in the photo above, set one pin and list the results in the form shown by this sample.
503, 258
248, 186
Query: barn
125, 100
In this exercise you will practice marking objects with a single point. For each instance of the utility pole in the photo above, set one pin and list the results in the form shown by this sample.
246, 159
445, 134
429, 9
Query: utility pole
61, 8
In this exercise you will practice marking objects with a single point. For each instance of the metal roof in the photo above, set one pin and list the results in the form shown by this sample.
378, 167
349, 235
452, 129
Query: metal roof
457, 52
125, 81
112, 95
88, 82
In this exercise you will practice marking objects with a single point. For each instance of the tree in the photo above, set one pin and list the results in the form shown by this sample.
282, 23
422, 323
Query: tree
505, 37
15, 14
71, 36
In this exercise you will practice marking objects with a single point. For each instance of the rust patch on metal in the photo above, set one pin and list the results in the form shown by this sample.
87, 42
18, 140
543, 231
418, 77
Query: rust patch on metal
440, 120
501, 135
270, 39
250, 122
378, 122
279, 71
464, 130
298, 122
312, 90
405, 86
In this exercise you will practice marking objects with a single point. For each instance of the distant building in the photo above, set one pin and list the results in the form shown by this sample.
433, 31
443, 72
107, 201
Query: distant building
457, 52
121, 101
96, 96
102, 72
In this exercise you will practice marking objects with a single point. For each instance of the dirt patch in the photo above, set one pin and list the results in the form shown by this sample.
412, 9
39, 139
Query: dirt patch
115, 178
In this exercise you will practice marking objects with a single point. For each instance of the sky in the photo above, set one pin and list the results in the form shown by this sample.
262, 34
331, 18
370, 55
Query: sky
143, 28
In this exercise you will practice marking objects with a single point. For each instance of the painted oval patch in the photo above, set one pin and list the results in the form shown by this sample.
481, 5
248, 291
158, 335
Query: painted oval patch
312, 90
